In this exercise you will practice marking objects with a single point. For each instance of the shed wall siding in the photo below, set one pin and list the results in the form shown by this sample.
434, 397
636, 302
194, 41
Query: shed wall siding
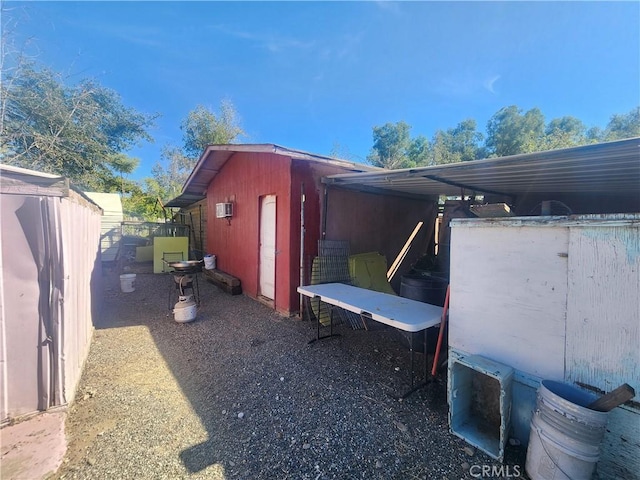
21, 295
82, 288
380, 223
304, 173
51, 293
243, 180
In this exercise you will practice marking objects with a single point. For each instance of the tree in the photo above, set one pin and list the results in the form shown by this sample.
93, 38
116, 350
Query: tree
200, 128
171, 172
394, 148
141, 201
459, 144
564, 132
76, 131
203, 127
419, 150
123, 164
623, 126
509, 132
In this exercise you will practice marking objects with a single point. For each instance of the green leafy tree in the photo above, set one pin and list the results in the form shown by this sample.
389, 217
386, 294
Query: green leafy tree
510, 132
564, 132
419, 151
124, 164
143, 200
394, 148
623, 126
459, 144
172, 172
202, 127
78, 131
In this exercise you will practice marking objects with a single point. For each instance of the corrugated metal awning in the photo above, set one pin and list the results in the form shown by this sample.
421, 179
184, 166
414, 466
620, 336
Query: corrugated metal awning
184, 200
612, 168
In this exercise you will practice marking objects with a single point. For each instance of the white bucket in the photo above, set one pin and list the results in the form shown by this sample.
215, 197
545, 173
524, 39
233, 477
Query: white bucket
564, 442
127, 282
210, 262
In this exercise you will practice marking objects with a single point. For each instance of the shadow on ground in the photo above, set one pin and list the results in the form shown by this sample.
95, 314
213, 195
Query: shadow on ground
240, 393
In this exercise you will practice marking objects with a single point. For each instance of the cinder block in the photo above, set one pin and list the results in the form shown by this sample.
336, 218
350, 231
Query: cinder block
480, 402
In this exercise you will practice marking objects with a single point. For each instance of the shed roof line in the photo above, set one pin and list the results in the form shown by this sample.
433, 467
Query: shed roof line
215, 156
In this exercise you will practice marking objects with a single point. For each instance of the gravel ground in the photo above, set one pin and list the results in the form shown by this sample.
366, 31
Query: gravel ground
241, 394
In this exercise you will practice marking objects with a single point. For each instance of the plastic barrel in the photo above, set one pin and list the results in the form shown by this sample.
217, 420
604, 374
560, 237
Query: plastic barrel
427, 289
127, 282
424, 288
564, 443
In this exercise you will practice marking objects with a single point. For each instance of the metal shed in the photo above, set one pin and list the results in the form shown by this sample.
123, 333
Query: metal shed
50, 289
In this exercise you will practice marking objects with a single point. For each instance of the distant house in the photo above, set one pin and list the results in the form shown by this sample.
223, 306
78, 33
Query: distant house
112, 217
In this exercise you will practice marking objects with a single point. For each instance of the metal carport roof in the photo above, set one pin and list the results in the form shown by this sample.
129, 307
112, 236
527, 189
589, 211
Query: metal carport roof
612, 167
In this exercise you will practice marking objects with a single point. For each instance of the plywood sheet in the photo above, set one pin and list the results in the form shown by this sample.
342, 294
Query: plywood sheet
508, 296
173, 249
603, 307
603, 331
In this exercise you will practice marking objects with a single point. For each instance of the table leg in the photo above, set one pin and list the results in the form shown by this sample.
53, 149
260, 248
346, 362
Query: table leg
331, 334
425, 381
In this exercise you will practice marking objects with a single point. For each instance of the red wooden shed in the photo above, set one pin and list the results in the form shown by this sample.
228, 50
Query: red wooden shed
260, 241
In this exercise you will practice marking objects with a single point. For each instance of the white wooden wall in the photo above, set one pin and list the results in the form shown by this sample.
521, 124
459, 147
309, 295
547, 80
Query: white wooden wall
555, 299
509, 294
603, 323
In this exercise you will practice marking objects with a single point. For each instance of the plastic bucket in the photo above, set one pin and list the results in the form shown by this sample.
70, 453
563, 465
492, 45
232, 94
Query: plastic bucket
564, 443
210, 262
127, 282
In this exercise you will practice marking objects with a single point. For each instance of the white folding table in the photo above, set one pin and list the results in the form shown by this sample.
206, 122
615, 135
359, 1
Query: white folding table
399, 312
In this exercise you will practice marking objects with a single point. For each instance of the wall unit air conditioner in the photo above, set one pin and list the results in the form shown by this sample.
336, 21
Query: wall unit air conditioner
224, 210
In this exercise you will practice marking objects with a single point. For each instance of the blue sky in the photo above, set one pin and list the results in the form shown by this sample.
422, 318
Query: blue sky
310, 75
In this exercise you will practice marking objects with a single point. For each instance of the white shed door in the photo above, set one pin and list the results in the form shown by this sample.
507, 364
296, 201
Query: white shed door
268, 246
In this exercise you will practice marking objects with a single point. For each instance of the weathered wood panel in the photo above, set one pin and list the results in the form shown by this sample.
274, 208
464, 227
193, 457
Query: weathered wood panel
620, 448
195, 216
508, 295
603, 331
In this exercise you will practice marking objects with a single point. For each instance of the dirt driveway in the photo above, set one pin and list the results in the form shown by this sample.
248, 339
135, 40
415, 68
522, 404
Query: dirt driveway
240, 393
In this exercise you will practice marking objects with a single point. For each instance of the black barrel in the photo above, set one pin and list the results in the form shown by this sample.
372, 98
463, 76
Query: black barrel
424, 288
427, 289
